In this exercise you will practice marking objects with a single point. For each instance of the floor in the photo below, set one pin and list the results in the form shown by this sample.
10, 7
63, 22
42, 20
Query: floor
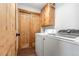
26, 52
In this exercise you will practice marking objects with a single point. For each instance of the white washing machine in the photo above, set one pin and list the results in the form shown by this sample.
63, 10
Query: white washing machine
63, 43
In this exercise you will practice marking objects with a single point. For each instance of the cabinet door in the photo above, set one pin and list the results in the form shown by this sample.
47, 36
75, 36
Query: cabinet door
48, 15
42, 17
52, 16
50, 46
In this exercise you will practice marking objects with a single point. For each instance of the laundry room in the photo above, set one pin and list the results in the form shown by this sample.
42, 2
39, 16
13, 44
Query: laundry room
39, 29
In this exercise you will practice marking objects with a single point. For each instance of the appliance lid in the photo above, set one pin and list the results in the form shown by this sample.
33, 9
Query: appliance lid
71, 33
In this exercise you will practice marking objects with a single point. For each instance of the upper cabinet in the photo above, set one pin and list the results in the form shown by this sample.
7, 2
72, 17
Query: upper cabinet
48, 15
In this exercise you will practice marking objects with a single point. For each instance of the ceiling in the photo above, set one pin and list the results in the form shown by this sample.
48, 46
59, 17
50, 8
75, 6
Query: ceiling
32, 6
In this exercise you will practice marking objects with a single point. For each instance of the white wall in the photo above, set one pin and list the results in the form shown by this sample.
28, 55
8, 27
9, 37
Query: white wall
25, 7
35, 7
67, 16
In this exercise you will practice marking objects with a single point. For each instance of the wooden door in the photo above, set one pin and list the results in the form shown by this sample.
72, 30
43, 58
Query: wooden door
7, 27
11, 25
3, 20
24, 19
35, 27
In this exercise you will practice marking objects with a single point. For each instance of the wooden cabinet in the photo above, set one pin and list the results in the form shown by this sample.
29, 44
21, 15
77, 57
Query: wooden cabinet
42, 18
7, 27
48, 15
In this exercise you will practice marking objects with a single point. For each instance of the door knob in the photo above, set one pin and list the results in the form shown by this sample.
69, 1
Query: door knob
17, 34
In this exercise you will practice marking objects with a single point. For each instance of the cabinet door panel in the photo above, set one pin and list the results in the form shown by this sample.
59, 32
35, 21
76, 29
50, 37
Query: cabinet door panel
48, 15
42, 17
52, 16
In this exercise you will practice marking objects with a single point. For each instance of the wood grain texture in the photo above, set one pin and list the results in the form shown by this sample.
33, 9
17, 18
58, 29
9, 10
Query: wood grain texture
7, 27
35, 27
47, 15
11, 24
42, 17
24, 30
29, 24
